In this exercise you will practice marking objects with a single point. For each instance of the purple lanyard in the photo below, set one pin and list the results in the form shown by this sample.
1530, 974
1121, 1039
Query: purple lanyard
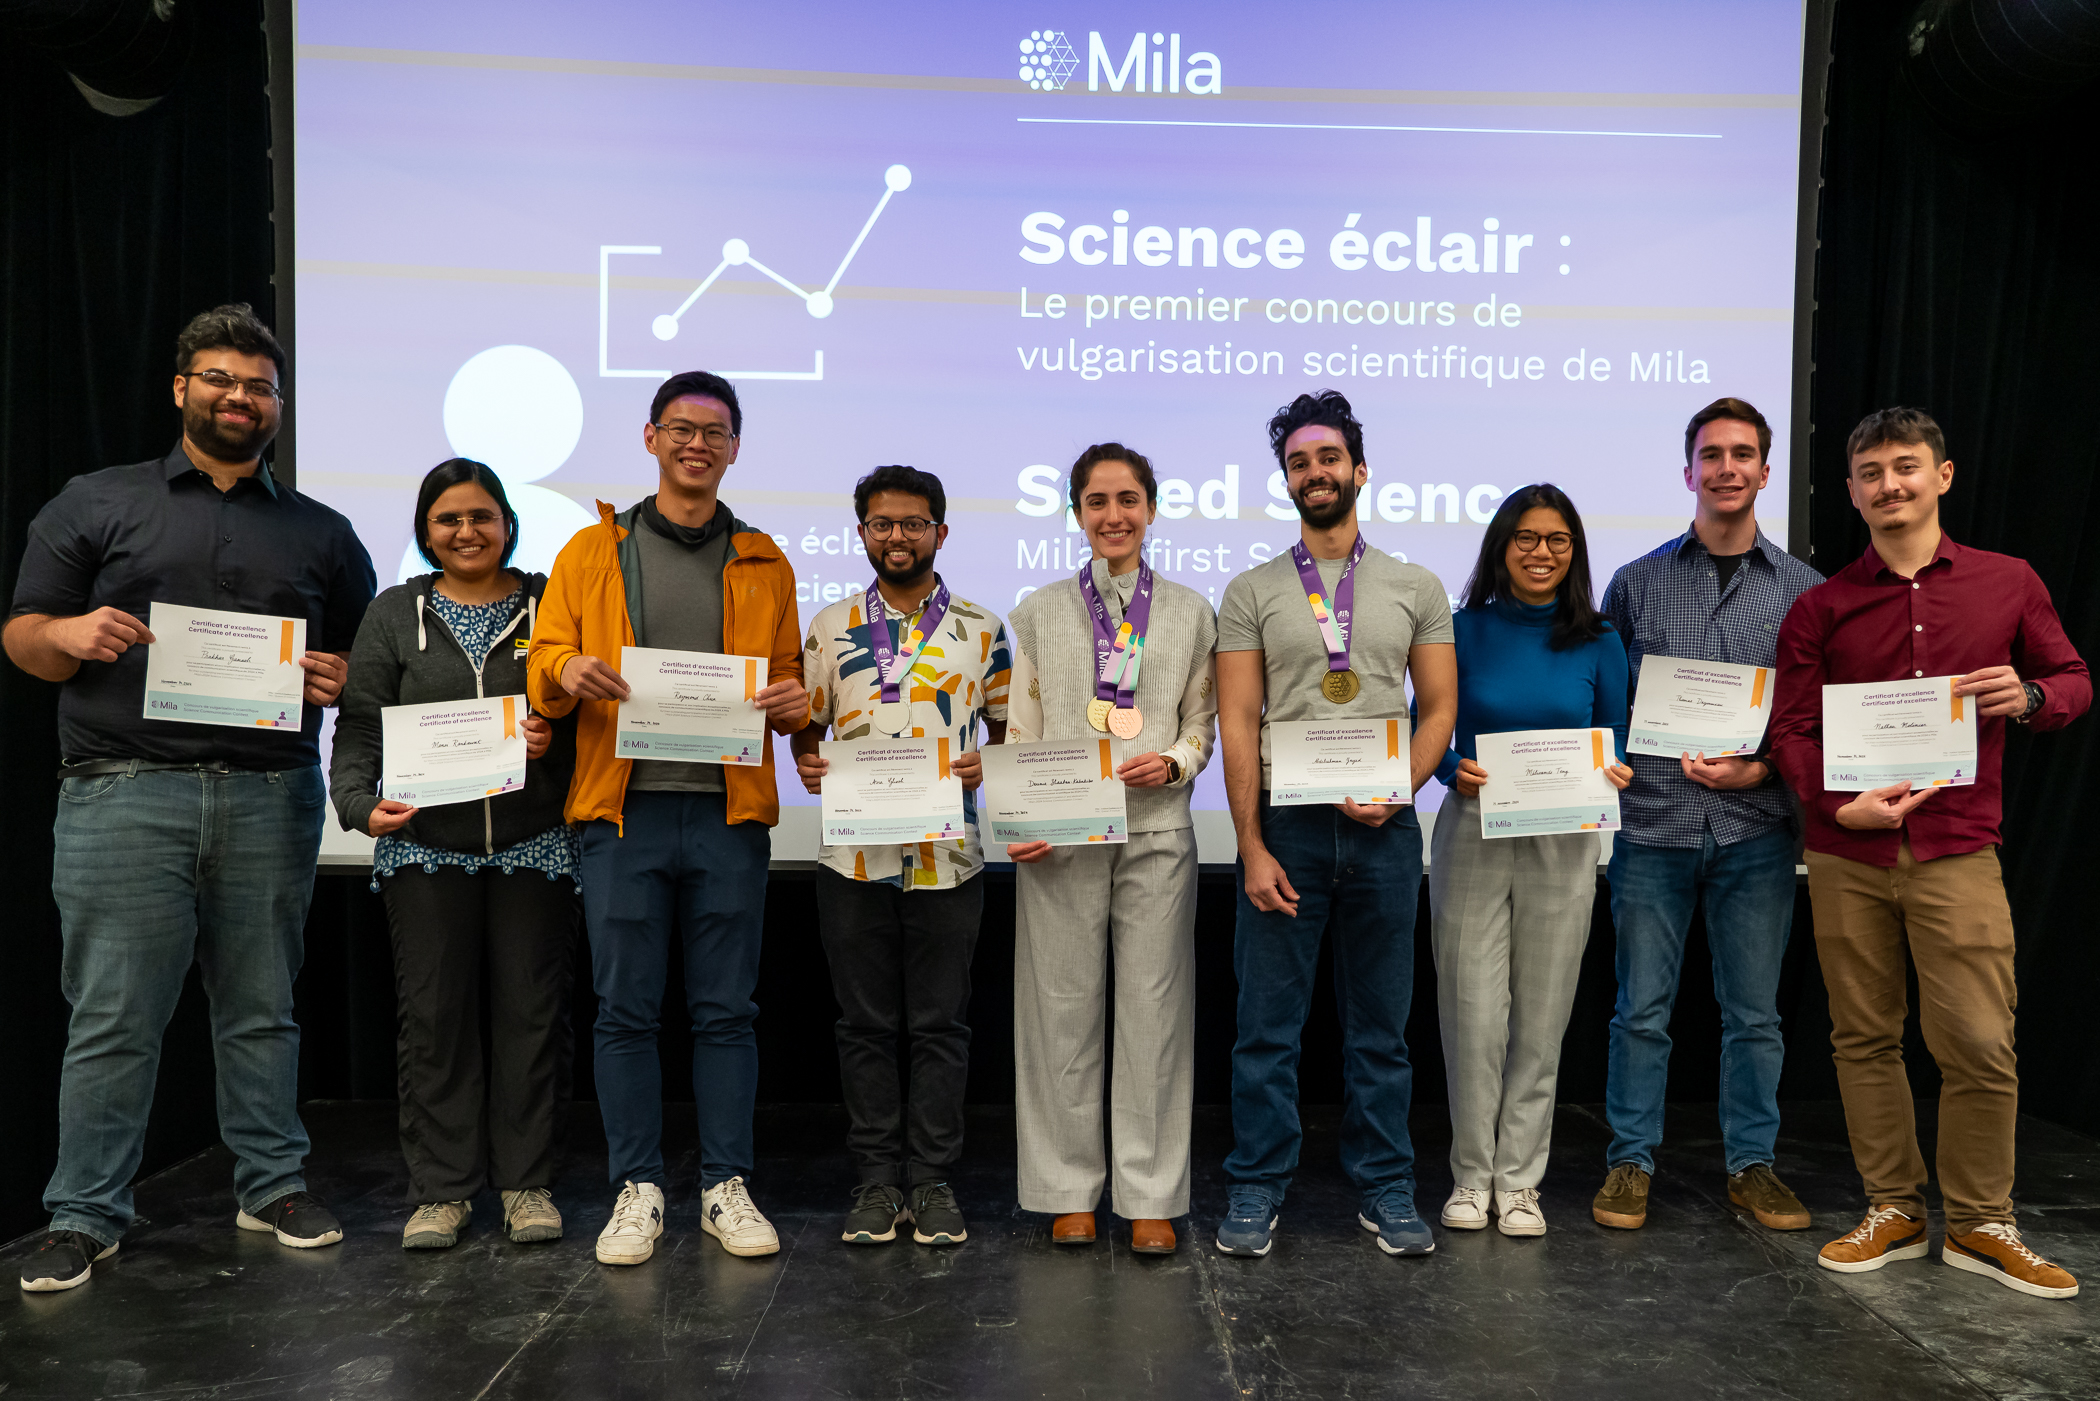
891, 665
1334, 623
1116, 648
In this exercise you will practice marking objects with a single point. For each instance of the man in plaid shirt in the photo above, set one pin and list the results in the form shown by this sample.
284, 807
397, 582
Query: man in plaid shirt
1718, 832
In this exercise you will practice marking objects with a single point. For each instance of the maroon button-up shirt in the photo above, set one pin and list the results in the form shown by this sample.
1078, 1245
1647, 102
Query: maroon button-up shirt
1966, 610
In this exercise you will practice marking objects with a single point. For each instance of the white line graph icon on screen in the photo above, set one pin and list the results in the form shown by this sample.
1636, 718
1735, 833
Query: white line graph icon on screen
736, 252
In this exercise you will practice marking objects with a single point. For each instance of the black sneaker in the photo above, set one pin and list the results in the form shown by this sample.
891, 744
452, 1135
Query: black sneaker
877, 1208
938, 1219
298, 1220
65, 1259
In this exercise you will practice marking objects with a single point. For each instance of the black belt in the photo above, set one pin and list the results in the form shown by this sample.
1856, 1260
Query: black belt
95, 768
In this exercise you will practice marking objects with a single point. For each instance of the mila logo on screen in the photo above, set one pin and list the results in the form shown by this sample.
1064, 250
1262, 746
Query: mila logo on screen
1149, 63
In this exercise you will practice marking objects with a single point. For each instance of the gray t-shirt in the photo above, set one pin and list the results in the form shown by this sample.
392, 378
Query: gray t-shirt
1396, 606
681, 611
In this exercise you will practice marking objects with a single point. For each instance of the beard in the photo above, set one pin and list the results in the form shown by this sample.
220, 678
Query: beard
896, 578
226, 441
1334, 512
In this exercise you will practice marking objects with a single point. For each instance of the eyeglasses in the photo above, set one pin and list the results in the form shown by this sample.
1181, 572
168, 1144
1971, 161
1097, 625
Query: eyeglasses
1559, 542
878, 528
682, 433
226, 384
480, 520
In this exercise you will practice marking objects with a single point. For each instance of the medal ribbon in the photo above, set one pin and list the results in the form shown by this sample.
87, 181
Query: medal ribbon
1334, 622
1118, 651
893, 664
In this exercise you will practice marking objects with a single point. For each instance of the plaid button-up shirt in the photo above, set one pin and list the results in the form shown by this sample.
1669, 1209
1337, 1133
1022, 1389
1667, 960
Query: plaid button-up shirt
1669, 603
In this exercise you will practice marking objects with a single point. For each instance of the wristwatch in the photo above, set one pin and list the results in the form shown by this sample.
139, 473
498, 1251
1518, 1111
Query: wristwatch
2035, 698
1173, 770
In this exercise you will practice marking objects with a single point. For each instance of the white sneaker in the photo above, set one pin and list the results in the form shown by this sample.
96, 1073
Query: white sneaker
727, 1214
1467, 1209
637, 1220
1517, 1213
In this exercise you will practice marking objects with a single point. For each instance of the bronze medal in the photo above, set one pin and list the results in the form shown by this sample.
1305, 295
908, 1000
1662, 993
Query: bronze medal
1124, 722
1341, 687
1097, 711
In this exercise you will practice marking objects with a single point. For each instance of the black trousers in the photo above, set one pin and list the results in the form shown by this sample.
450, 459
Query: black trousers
900, 963
455, 932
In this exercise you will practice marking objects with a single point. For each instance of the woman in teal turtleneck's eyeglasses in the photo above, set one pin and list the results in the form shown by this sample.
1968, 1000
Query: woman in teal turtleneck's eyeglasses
1509, 916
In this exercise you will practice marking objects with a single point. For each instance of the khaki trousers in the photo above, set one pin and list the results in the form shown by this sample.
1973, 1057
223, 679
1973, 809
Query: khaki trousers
1951, 917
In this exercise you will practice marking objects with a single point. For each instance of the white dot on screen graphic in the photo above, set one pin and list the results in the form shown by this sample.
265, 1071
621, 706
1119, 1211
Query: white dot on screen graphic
736, 250
819, 304
515, 408
665, 327
1027, 72
1563, 269
897, 177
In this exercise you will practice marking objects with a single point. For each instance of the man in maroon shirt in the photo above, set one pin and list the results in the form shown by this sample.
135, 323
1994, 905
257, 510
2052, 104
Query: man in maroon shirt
1890, 869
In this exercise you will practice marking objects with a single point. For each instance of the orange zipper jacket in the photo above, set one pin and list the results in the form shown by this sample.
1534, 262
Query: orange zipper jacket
585, 611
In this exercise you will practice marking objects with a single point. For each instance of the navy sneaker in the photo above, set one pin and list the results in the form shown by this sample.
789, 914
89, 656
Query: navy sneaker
1389, 1214
1250, 1217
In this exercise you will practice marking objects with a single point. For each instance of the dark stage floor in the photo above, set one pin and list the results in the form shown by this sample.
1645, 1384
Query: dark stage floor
1698, 1304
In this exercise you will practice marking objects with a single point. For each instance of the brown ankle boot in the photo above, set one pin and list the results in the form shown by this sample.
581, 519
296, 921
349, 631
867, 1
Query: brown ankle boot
1073, 1228
1152, 1237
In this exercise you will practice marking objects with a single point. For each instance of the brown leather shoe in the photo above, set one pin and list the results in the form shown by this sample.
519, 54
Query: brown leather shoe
1073, 1228
1758, 1190
1152, 1237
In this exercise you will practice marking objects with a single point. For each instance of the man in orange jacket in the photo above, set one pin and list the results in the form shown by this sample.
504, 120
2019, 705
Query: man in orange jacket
669, 847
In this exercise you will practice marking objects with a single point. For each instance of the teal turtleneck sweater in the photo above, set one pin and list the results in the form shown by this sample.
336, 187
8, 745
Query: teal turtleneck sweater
1510, 679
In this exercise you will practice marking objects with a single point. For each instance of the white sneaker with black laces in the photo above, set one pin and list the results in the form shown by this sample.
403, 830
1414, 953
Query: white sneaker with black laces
1517, 1213
727, 1214
637, 1220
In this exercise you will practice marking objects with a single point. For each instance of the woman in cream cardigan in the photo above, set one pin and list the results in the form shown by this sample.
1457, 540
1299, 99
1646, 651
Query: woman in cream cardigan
1081, 673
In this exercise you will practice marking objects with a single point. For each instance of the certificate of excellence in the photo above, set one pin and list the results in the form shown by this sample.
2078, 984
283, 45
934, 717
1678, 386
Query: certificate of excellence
1711, 708
1545, 781
890, 791
691, 707
1328, 761
452, 751
1887, 732
207, 666
1064, 792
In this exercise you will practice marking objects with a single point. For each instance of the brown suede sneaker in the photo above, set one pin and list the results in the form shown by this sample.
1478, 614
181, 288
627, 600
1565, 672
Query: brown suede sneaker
1623, 1201
1995, 1251
1886, 1234
1758, 1190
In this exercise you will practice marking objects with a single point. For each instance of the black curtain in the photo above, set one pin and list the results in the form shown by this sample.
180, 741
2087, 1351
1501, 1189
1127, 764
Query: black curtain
1958, 275
116, 230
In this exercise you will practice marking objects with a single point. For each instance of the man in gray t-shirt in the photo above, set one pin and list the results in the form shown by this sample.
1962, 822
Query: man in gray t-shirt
1351, 869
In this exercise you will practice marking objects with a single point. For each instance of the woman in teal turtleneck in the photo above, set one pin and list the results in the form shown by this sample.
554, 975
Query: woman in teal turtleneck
1509, 916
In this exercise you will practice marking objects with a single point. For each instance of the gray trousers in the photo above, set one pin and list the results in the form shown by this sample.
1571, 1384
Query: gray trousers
1508, 921
1077, 909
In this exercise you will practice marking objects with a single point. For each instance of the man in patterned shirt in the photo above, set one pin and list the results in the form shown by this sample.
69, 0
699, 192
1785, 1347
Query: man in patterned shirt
1699, 830
907, 659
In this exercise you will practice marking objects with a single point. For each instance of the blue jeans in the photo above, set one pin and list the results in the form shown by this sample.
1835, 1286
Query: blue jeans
1364, 884
682, 871
1748, 894
153, 871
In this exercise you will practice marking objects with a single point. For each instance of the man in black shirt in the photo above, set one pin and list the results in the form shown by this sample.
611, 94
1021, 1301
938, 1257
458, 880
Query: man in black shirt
178, 841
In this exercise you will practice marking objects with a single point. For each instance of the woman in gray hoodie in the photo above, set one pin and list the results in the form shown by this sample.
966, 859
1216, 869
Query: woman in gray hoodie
476, 892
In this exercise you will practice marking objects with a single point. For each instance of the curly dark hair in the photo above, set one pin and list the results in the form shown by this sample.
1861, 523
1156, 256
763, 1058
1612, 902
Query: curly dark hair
234, 326
1327, 409
908, 480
